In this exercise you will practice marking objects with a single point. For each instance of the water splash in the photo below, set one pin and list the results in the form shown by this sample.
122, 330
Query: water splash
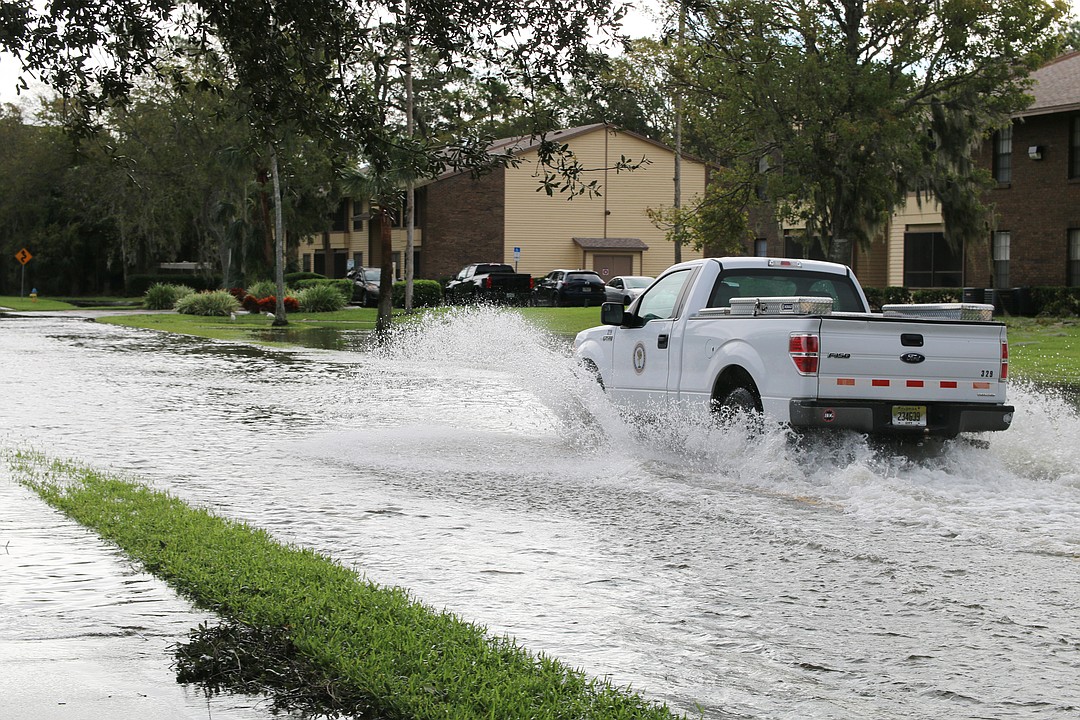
1020, 487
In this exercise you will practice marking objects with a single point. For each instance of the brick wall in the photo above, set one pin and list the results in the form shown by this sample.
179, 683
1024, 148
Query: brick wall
1038, 207
463, 223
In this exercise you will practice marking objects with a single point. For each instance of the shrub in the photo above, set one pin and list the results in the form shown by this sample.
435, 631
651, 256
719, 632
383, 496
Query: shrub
291, 279
139, 284
322, 297
268, 303
343, 285
895, 296
291, 304
1055, 301
250, 303
936, 295
873, 298
262, 288
211, 303
163, 296
426, 293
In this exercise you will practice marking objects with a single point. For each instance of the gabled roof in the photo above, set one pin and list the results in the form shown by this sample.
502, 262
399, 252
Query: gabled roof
521, 144
1056, 88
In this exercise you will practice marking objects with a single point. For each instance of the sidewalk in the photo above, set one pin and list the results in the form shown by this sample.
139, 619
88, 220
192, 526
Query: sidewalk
83, 635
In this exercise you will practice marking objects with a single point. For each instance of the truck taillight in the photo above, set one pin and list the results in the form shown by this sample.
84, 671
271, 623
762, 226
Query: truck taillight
487, 283
803, 348
1004, 374
531, 286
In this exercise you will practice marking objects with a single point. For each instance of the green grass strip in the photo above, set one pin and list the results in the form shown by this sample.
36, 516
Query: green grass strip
413, 662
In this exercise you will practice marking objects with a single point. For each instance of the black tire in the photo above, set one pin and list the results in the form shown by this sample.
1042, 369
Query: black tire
741, 401
590, 367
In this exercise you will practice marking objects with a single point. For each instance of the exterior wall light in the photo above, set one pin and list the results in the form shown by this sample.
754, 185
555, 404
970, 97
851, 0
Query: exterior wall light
1035, 152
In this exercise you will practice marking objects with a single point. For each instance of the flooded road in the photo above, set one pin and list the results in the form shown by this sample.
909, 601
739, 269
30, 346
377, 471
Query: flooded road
470, 464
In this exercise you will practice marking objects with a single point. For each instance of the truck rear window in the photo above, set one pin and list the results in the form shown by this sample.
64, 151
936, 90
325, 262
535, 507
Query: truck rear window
772, 283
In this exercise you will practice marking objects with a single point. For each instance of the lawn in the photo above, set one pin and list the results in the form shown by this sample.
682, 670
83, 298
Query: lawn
23, 304
250, 327
1045, 349
1041, 349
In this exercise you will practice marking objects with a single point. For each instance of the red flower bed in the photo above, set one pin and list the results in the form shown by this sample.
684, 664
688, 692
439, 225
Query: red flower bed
269, 304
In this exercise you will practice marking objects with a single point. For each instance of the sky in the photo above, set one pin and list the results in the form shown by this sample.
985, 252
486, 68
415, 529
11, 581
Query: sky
639, 22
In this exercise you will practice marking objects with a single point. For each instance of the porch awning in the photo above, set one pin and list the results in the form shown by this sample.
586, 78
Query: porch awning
621, 243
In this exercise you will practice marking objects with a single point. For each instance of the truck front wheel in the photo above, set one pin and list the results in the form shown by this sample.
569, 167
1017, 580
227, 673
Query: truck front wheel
594, 372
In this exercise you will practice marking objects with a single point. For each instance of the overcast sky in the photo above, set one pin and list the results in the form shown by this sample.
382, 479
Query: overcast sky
639, 23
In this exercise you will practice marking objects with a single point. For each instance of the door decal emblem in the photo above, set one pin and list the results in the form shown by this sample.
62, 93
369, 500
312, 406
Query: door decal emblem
639, 358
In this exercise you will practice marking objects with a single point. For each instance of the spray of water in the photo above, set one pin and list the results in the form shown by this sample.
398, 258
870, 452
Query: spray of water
1019, 486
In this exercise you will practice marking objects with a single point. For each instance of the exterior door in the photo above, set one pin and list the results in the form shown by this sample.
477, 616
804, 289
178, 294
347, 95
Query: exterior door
641, 355
609, 266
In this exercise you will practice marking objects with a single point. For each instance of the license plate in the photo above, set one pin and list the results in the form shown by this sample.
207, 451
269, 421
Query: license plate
909, 415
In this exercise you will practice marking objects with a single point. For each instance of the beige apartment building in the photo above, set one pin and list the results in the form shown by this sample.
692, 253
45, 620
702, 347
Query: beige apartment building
505, 216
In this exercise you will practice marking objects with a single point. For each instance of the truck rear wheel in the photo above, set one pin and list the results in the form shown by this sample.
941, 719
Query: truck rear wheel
740, 401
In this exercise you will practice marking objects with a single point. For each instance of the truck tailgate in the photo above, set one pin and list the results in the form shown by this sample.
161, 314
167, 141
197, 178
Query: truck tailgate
879, 358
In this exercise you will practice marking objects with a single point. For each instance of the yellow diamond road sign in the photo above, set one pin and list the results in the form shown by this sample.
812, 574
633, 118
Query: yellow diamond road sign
23, 256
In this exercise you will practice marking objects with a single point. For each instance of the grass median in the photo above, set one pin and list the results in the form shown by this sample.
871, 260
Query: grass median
390, 655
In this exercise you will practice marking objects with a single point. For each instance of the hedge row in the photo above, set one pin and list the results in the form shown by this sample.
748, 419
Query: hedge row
139, 284
1027, 301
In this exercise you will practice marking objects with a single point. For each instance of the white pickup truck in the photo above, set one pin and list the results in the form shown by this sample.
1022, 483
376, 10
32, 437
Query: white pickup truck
795, 340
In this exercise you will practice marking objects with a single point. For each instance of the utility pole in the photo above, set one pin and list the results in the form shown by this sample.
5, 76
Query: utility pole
678, 138
410, 186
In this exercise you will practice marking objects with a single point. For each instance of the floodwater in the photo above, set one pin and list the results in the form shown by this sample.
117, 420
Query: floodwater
471, 464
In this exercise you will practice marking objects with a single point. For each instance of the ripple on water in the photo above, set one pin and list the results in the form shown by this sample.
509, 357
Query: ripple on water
828, 578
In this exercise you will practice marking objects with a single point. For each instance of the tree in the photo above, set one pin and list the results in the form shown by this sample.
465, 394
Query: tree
1071, 39
317, 68
835, 109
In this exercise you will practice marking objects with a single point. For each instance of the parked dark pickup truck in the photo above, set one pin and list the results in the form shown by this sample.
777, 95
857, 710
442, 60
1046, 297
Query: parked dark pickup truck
489, 282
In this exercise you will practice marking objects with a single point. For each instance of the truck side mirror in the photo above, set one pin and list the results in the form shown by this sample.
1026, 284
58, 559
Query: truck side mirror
612, 313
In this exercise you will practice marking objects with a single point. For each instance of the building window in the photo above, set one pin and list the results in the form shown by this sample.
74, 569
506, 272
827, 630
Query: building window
929, 262
1072, 269
1074, 147
1003, 155
1000, 252
358, 259
338, 221
761, 247
307, 262
800, 247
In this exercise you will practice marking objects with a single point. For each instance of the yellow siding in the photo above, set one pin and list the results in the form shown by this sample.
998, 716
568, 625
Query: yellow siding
544, 227
908, 214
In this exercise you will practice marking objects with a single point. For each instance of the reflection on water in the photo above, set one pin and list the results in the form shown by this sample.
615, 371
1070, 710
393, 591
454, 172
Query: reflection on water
316, 338
469, 462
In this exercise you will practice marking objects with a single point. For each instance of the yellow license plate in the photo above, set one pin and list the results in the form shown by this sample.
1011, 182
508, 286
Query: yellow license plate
909, 415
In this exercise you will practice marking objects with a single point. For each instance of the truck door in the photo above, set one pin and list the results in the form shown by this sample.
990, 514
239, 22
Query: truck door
643, 347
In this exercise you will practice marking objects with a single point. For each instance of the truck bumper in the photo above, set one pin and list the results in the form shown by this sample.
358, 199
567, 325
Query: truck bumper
873, 417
